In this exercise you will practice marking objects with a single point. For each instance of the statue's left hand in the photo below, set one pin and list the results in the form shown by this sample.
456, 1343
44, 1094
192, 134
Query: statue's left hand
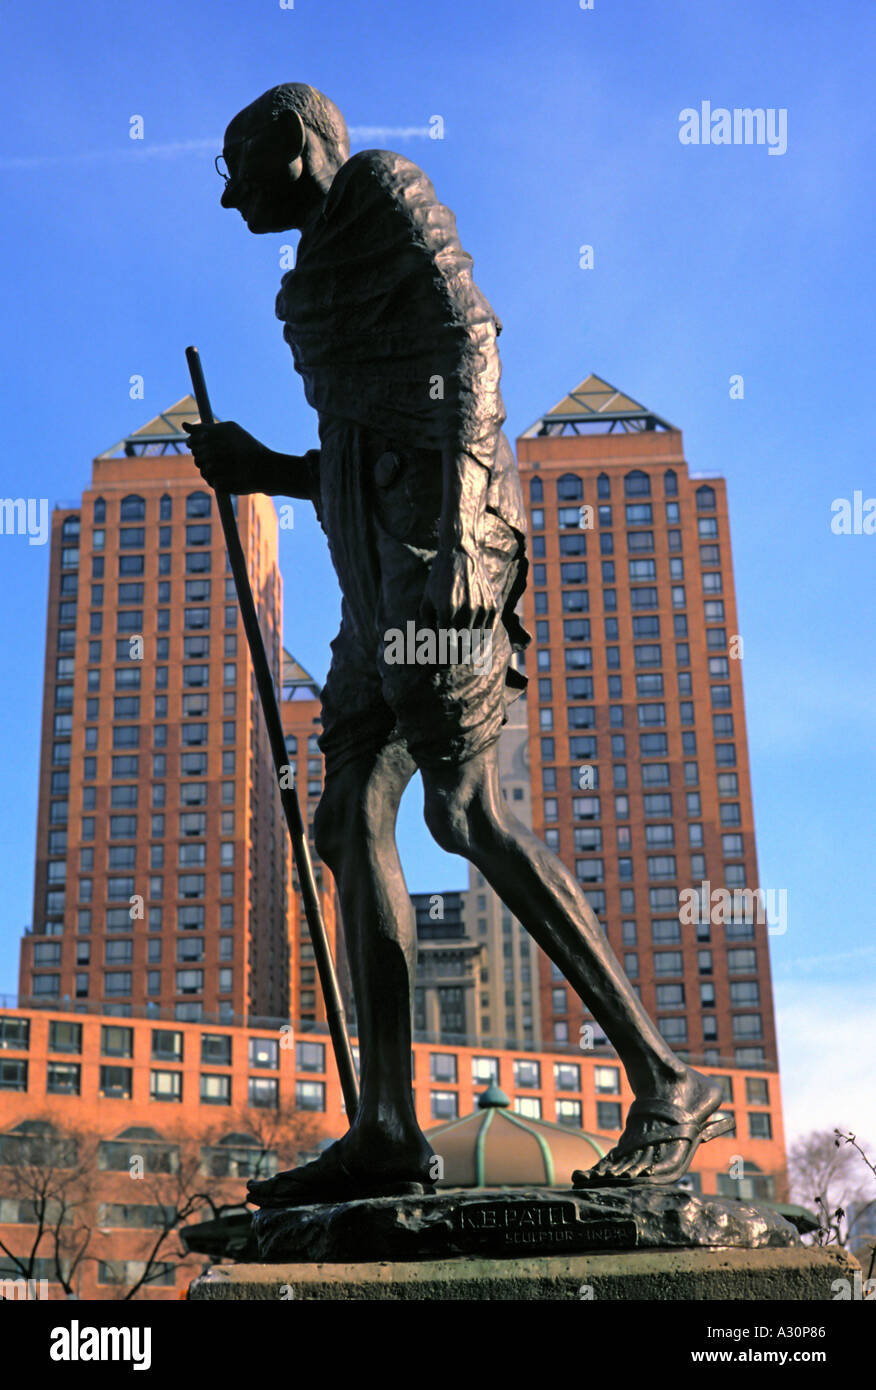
458, 593
229, 458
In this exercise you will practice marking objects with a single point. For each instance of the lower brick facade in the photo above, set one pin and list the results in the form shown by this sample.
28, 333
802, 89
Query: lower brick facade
201, 1090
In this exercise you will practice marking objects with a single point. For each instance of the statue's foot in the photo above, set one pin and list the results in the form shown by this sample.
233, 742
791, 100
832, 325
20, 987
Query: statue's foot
339, 1175
662, 1134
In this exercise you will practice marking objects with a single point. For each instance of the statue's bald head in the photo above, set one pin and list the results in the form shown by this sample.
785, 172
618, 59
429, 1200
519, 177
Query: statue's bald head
275, 112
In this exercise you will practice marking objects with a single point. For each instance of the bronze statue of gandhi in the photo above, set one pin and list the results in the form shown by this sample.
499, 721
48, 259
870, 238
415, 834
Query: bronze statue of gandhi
417, 490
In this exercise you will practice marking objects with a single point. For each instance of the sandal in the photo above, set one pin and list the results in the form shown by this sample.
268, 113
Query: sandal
327, 1179
678, 1125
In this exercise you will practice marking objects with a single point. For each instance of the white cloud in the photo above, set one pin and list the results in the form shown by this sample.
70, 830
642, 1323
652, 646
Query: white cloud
827, 1056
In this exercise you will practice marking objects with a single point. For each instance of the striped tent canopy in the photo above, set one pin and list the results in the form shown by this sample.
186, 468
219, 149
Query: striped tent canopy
493, 1147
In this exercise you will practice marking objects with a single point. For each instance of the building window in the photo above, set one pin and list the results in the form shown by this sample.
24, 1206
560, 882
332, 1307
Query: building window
198, 535
13, 1074
760, 1125
216, 1049
14, 1033
189, 981
606, 1080
674, 1030
567, 1076
215, 1089
444, 1105
631, 964
191, 885
569, 488
167, 1045
757, 1090
637, 484
485, 1071
132, 508
451, 1008
530, 1106
310, 1056
65, 1037
192, 855
527, 1073
661, 866
264, 1052
670, 996
569, 1112
116, 1041
608, 1115
165, 1085
117, 983
197, 505
668, 962
310, 1095
443, 1067
63, 1078
115, 1082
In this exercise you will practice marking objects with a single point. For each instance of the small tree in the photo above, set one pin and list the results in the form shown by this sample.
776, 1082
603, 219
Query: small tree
209, 1175
825, 1168
172, 1193
50, 1169
862, 1221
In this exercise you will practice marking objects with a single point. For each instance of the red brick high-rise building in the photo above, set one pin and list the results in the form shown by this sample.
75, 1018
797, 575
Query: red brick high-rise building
163, 869
637, 723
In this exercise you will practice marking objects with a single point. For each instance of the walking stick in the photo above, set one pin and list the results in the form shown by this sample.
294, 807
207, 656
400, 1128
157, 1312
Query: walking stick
325, 965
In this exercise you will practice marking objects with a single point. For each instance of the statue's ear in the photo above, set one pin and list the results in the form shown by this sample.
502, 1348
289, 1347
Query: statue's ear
294, 133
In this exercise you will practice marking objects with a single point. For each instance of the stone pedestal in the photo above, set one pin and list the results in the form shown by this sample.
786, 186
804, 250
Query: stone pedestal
778, 1275
506, 1222
634, 1243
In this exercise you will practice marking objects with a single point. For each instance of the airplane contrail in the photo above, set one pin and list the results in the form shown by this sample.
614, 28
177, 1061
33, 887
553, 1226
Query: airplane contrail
142, 149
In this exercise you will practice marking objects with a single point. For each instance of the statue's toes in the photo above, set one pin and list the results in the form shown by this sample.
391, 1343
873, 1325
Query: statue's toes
640, 1162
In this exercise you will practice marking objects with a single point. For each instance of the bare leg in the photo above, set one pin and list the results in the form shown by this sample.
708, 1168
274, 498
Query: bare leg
467, 815
355, 836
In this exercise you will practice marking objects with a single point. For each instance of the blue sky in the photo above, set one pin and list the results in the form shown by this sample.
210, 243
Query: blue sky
561, 128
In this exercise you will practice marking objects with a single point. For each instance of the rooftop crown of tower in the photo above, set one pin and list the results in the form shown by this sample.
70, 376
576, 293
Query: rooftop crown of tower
596, 407
163, 435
